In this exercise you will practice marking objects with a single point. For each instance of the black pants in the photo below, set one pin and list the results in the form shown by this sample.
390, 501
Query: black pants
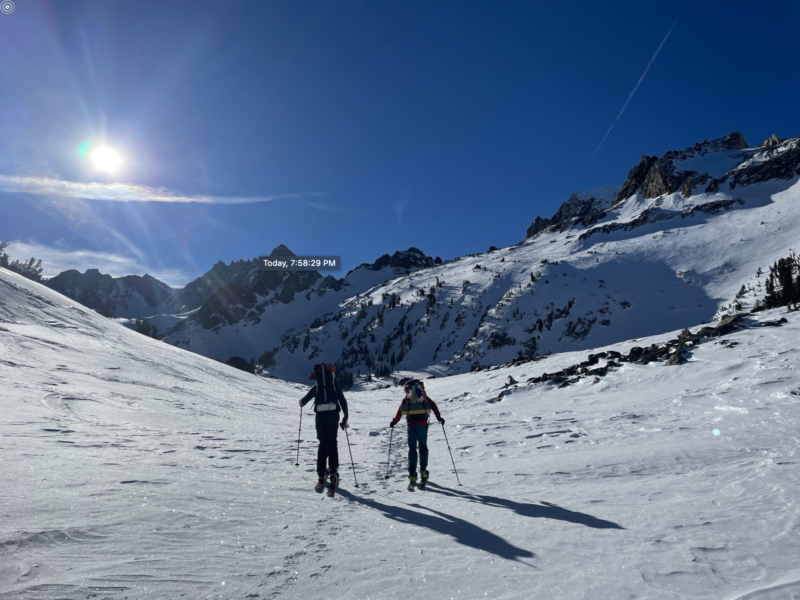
327, 427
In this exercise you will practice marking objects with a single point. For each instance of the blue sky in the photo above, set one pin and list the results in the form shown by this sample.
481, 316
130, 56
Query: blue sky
355, 128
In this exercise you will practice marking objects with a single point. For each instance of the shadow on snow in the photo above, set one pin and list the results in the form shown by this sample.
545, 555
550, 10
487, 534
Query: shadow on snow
461, 531
545, 510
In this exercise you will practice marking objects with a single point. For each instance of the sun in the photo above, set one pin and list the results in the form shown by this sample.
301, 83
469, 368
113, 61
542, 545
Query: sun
106, 159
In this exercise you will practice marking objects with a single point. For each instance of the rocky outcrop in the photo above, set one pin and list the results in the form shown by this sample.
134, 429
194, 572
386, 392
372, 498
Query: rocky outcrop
410, 259
636, 177
732, 141
539, 224
93, 289
662, 178
653, 214
772, 140
693, 180
110, 296
774, 162
219, 281
154, 292
671, 352
576, 210
657, 177
237, 362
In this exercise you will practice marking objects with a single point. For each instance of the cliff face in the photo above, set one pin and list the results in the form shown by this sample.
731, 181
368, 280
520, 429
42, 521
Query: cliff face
654, 177
126, 297
581, 209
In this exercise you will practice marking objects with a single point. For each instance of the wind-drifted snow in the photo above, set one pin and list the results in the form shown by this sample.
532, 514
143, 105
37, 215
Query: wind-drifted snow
132, 469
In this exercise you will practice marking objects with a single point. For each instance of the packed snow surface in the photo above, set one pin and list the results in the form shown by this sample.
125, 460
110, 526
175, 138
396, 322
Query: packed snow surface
132, 469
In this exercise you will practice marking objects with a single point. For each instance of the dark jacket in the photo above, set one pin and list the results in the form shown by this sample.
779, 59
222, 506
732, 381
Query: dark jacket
341, 400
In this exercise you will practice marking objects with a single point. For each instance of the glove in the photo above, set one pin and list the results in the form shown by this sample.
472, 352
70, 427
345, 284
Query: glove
392, 424
344, 425
301, 403
441, 421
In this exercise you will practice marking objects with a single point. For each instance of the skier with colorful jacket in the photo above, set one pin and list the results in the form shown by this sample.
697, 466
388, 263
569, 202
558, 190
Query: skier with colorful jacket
416, 407
329, 401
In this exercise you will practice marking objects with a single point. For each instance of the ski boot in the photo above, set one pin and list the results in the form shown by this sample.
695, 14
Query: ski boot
412, 480
320, 486
423, 478
332, 486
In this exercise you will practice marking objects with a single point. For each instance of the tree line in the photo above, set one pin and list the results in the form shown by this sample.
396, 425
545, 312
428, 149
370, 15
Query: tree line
31, 268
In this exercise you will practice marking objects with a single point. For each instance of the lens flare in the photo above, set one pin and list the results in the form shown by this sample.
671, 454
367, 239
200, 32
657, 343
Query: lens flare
83, 149
716, 432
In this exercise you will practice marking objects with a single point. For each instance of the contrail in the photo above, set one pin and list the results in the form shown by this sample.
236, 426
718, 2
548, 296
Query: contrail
638, 83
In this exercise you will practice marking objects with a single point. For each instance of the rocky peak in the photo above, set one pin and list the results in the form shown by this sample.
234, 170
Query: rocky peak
732, 141
575, 210
658, 176
282, 250
413, 258
772, 140
154, 292
636, 177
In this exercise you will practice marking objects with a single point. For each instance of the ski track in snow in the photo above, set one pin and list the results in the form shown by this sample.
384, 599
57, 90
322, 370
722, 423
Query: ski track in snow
132, 469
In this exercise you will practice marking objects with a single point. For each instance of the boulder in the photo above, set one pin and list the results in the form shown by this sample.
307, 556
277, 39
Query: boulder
635, 354
726, 325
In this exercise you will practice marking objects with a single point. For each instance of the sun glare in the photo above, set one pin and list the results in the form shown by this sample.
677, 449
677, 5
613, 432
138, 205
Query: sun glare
106, 159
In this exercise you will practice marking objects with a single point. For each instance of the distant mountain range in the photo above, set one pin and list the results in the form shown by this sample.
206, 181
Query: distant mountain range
669, 247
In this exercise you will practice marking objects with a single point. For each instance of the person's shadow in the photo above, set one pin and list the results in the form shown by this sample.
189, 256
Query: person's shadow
461, 531
545, 510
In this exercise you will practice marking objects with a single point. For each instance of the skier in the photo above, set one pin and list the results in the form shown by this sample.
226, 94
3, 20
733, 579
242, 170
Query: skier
328, 402
416, 406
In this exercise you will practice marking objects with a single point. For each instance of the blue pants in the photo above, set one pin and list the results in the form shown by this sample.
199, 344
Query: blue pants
417, 434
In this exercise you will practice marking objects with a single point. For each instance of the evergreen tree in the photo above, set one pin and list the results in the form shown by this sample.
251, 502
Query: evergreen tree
782, 285
31, 268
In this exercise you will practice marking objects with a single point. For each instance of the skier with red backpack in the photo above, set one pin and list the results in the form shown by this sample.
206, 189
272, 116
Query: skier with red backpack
416, 407
329, 401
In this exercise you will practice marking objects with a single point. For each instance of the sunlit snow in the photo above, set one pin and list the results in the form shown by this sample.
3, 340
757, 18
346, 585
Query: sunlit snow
132, 469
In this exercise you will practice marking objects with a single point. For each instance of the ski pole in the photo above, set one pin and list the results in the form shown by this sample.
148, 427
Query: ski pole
351, 454
299, 429
389, 459
451, 453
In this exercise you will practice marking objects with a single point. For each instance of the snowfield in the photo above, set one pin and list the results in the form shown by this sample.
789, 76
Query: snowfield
132, 469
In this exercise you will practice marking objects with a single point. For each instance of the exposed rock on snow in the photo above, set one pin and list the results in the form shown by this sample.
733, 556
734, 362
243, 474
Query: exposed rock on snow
636, 177
131, 296
772, 140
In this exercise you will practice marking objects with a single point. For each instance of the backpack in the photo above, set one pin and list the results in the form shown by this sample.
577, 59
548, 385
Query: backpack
325, 398
416, 403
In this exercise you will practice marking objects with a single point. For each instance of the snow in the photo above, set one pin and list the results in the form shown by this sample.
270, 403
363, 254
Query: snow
135, 469
678, 271
715, 164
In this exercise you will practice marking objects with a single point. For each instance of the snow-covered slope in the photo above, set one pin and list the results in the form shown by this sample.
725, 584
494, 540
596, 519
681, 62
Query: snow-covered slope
132, 469
245, 312
612, 264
